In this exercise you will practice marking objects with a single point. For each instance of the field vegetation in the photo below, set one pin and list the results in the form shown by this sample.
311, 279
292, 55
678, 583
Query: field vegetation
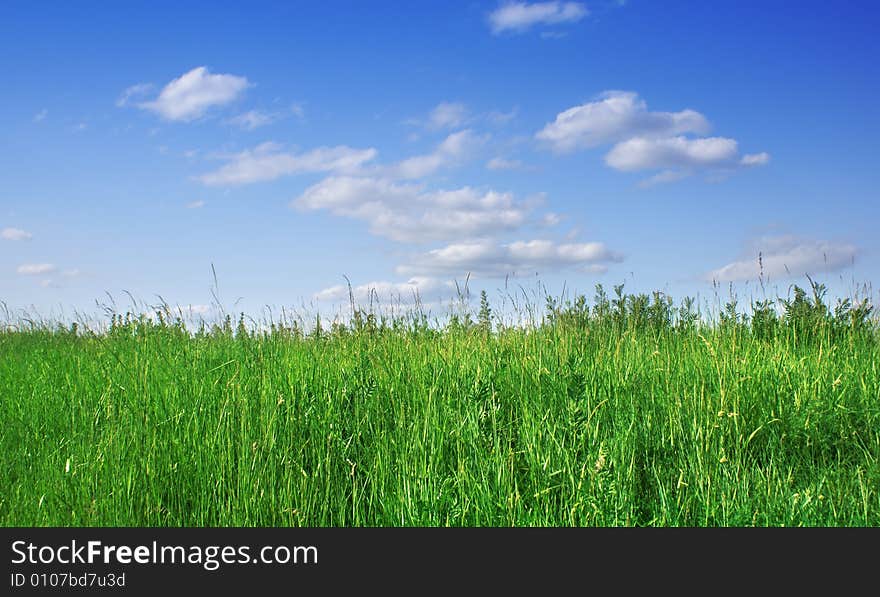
617, 410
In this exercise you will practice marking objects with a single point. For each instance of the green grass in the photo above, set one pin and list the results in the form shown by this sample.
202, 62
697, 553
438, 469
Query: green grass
600, 416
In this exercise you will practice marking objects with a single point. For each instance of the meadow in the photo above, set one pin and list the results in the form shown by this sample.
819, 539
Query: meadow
617, 410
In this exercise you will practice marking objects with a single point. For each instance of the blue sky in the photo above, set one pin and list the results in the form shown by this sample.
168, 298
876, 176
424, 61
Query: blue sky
407, 145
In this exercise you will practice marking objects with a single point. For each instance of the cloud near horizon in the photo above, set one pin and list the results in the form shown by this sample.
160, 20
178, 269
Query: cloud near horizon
15, 234
35, 269
786, 256
418, 288
491, 260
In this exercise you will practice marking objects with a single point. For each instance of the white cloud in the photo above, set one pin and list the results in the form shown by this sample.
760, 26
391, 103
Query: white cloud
45, 268
198, 203
192, 94
451, 115
518, 17
680, 157
267, 162
499, 163
551, 219
664, 177
418, 287
452, 150
191, 310
35, 269
15, 234
501, 118
41, 115
644, 153
407, 213
645, 140
347, 195
615, 116
134, 91
487, 259
755, 159
786, 256
252, 119
447, 115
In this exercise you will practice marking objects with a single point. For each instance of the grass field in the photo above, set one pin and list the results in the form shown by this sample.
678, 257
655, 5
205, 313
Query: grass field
614, 411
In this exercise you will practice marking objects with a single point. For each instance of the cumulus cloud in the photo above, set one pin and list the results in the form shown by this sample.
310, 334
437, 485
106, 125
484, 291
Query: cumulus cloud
680, 157
673, 142
268, 162
452, 150
41, 115
421, 288
406, 212
644, 153
35, 269
518, 17
485, 258
755, 159
191, 95
613, 117
198, 203
786, 256
15, 234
